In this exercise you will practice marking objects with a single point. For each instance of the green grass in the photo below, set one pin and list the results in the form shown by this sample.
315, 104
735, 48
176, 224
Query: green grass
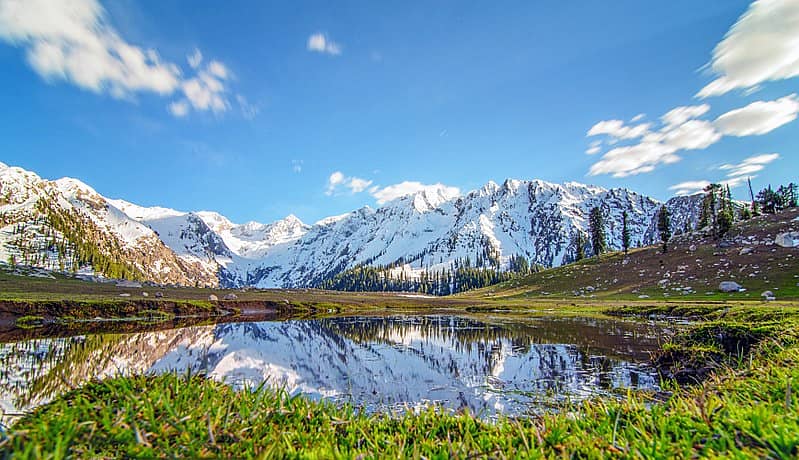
29, 321
746, 408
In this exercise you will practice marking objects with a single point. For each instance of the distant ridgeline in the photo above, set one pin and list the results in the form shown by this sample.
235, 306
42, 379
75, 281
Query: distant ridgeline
431, 242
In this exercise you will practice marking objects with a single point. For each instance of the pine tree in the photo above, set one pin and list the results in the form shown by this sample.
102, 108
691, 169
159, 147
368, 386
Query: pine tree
579, 243
596, 223
664, 227
625, 231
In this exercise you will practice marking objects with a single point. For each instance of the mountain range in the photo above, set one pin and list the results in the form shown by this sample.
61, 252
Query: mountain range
66, 225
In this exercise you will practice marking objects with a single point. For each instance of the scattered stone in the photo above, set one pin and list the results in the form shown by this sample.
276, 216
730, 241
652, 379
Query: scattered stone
124, 294
590, 289
745, 251
767, 294
692, 248
729, 286
145, 294
128, 284
643, 296
231, 296
159, 295
213, 298
787, 240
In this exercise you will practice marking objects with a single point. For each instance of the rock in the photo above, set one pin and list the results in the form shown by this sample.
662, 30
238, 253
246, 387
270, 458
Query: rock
590, 289
231, 296
124, 294
159, 295
729, 286
643, 296
725, 244
145, 294
128, 284
745, 251
692, 248
213, 298
787, 240
768, 296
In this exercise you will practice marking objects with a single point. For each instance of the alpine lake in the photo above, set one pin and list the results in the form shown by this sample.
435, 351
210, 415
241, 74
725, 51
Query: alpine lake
487, 364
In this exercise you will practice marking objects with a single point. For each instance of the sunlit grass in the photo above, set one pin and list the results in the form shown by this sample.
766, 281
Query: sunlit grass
746, 408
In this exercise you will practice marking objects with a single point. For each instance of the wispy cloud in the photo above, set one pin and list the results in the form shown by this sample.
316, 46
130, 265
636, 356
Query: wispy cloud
759, 117
750, 165
338, 180
74, 41
682, 130
737, 174
321, 43
392, 192
762, 46
689, 187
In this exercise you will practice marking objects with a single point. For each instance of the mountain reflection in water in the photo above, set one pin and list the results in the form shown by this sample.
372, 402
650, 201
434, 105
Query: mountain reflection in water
488, 365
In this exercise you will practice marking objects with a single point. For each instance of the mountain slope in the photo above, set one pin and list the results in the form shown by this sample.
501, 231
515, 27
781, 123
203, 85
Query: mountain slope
429, 231
65, 225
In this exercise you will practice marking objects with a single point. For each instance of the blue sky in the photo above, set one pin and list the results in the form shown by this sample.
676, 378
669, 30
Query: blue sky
261, 109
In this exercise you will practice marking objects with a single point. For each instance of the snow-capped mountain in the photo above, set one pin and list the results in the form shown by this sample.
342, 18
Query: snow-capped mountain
66, 225
41, 224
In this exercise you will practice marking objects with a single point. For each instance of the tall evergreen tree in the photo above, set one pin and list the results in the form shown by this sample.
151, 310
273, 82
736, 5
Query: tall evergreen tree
596, 223
625, 231
579, 246
664, 227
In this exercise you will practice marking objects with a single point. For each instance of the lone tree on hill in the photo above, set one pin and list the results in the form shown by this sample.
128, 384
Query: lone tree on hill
596, 223
664, 227
625, 231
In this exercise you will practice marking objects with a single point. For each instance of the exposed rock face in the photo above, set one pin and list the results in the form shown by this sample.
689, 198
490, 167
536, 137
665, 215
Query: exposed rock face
787, 240
729, 286
428, 231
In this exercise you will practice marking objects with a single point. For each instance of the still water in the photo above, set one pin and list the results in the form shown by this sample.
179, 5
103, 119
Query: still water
488, 365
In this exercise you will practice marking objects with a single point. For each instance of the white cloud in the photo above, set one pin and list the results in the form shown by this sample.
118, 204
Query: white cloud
619, 130
634, 159
296, 166
750, 165
392, 192
594, 148
689, 187
195, 58
357, 185
680, 115
73, 41
179, 108
759, 117
638, 117
737, 174
682, 130
691, 135
338, 180
320, 43
249, 111
762, 46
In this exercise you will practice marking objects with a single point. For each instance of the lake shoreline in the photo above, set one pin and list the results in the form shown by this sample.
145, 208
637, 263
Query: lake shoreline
714, 415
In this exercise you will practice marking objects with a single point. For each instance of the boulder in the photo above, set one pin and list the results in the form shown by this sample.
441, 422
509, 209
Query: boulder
159, 295
768, 296
745, 251
145, 294
124, 294
787, 240
692, 248
213, 298
729, 286
231, 296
